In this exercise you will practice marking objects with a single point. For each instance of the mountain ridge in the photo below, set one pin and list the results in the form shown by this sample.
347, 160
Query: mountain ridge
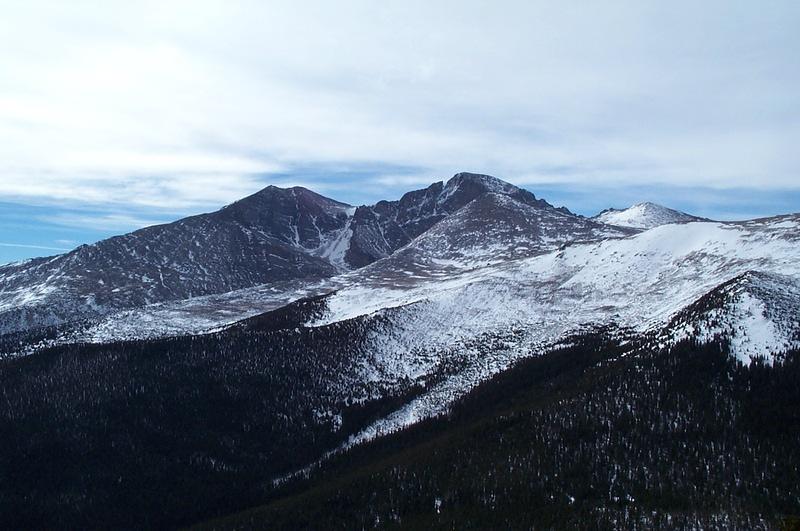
219, 398
274, 235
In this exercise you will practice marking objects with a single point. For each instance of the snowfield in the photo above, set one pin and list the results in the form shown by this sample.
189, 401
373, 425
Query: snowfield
523, 307
640, 281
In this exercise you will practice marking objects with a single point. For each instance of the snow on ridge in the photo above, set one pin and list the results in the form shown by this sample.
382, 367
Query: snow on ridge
757, 313
763, 336
198, 315
644, 216
524, 307
641, 280
648, 266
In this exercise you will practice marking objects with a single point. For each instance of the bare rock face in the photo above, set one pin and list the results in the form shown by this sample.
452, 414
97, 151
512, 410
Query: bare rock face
381, 229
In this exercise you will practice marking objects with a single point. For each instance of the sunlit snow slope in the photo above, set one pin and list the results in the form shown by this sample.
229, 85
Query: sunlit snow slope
644, 216
638, 284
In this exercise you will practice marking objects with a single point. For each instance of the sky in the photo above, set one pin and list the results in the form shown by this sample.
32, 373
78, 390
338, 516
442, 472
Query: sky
115, 115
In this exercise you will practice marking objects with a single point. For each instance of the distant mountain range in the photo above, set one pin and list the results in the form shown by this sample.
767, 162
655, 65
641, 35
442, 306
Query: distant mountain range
272, 236
233, 358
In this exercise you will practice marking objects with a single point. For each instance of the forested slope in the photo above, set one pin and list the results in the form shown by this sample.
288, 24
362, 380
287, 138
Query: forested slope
681, 439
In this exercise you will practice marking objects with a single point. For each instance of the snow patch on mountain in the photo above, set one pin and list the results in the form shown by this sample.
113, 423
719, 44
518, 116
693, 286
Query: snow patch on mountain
333, 247
651, 269
486, 183
523, 306
644, 216
757, 313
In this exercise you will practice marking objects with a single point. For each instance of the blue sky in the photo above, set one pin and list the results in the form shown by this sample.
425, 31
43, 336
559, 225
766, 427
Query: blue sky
115, 115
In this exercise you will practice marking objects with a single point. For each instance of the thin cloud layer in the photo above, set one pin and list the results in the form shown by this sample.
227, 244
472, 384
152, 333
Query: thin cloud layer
184, 105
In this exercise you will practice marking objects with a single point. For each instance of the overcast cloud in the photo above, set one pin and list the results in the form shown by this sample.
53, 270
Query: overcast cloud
179, 106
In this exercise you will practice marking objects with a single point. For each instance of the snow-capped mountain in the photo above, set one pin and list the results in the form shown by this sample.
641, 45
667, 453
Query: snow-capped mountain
494, 265
644, 216
480, 228
475, 220
495, 228
379, 317
638, 284
381, 229
436, 319
275, 236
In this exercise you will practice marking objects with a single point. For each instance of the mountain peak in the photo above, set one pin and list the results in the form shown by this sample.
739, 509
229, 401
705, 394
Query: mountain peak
295, 191
274, 200
645, 215
651, 205
464, 187
476, 180
379, 230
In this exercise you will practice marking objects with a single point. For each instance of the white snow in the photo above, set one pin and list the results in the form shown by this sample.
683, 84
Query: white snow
758, 316
643, 216
639, 282
761, 332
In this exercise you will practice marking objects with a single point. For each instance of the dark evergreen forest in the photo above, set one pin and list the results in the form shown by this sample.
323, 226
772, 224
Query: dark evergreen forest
159, 434
589, 437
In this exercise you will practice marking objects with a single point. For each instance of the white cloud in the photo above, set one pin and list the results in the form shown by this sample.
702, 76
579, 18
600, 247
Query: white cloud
99, 222
37, 247
188, 104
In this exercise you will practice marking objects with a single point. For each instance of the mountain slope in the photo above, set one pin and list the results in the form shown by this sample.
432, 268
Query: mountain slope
343, 360
497, 227
757, 314
522, 307
590, 436
469, 221
488, 231
274, 235
114, 436
644, 216
450, 328
612, 276
381, 229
